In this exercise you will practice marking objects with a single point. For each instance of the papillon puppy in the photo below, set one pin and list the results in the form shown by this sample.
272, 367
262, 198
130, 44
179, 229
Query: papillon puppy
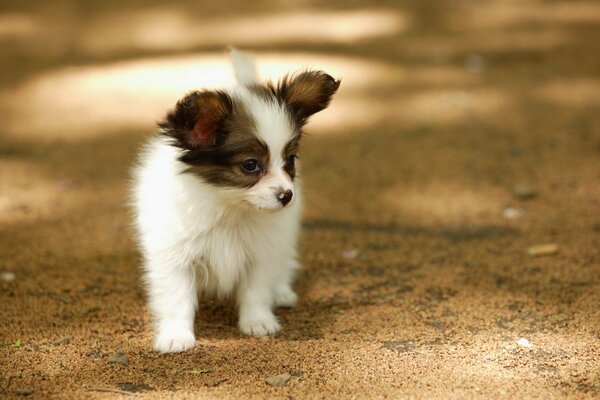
216, 196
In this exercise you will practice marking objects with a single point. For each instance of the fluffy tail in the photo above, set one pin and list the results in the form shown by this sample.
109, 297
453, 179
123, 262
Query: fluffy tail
244, 67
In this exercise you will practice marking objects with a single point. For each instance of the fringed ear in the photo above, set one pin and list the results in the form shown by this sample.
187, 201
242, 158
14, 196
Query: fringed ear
307, 93
197, 118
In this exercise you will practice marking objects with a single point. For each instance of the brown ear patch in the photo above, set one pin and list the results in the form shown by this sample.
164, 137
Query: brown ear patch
307, 93
197, 119
212, 107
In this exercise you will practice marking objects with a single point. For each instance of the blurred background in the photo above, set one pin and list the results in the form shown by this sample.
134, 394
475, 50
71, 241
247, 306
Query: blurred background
452, 193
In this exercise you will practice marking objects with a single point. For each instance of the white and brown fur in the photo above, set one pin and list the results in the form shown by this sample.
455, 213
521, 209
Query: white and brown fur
217, 201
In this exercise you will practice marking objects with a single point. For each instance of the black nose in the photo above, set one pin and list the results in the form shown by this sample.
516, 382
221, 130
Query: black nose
284, 197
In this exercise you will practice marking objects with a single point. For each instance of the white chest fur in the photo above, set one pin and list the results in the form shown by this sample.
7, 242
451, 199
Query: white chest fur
187, 222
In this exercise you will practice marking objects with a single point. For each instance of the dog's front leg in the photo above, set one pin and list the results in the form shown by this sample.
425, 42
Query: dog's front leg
173, 299
283, 294
255, 299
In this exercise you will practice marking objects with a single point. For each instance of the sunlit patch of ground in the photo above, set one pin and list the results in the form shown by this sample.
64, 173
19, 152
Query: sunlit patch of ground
527, 40
170, 29
88, 101
30, 34
76, 103
509, 14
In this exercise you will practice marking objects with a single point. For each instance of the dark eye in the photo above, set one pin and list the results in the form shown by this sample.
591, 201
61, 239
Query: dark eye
250, 166
290, 163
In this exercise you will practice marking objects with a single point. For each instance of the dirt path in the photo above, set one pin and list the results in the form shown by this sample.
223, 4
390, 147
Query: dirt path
465, 133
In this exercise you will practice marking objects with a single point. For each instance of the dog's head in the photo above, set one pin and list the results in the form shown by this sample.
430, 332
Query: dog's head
246, 141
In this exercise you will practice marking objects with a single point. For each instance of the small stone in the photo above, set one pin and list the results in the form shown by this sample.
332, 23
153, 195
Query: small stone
134, 387
62, 340
119, 358
201, 371
474, 62
400, 346
512, 213
543, 250
24, 391
95, 353
278, 380
7, 276
524, 343
350, 254
524, 192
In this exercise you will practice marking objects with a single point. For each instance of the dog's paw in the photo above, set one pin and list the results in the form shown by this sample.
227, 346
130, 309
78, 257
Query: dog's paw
174, 338
285, 297
265, 324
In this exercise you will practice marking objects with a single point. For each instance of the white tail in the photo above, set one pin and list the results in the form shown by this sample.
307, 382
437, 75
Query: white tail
244, 67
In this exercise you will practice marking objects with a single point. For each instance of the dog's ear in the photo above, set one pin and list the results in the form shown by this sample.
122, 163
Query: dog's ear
307, 93
197, 119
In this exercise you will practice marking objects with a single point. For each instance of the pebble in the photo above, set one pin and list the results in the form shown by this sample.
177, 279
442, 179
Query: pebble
201, 371
543, 250
512, 213
278, 380
524, 343
119, 358
524, 192
7, 276
24, 392
350, 254
474, 62
62, 340
134, 387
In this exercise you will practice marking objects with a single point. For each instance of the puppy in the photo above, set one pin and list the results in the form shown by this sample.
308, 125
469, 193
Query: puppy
216, 196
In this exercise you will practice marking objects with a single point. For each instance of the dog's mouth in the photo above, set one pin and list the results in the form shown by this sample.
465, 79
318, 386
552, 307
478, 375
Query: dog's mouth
269, 210
266, 209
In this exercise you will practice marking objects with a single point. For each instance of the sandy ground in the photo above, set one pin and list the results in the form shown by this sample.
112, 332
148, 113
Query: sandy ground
465, 133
